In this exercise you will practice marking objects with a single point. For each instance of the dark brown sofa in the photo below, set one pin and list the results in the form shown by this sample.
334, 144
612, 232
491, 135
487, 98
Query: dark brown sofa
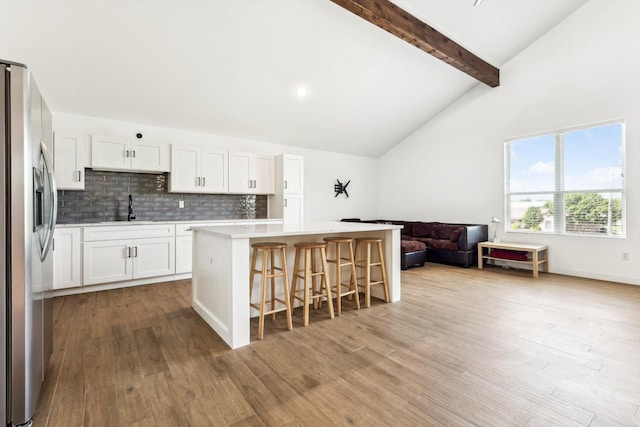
445, 243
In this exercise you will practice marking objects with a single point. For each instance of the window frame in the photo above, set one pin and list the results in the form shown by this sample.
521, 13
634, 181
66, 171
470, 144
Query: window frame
558, 193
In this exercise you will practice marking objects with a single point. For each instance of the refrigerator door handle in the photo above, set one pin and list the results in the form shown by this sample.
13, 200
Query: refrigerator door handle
53, 213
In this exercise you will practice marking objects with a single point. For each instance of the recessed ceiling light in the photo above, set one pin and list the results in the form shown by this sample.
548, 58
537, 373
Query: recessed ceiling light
477, 3
300, 91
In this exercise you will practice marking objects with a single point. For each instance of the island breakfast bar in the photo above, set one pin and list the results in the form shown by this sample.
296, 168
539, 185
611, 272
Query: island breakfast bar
221, 264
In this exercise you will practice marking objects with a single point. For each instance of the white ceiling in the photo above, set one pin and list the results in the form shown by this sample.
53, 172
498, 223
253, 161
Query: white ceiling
230, 67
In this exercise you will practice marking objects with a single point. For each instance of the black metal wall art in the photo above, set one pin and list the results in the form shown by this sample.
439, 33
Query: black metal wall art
341, 188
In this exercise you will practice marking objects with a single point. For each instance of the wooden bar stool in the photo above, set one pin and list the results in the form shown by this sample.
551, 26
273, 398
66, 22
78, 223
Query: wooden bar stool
307, 252
340, 261
269, 270
363, 250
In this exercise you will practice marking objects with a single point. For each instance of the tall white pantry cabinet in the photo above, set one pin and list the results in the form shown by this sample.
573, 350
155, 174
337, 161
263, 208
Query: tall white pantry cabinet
288, 201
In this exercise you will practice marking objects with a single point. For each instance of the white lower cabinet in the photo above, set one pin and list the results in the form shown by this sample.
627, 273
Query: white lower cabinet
118, 260
183, 254
150, 253
67, 258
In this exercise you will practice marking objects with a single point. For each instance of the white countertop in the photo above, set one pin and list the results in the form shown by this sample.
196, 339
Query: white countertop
194, 222
276, 230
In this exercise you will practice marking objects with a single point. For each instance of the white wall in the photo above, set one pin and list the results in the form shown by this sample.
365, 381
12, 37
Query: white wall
585, 70
322, 168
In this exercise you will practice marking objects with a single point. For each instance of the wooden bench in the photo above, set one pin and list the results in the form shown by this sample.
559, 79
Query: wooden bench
539, 254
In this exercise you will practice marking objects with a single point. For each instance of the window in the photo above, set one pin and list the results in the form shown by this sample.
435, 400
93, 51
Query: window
567, 182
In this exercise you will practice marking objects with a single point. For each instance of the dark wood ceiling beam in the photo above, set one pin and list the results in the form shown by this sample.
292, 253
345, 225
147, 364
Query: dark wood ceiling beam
400, 23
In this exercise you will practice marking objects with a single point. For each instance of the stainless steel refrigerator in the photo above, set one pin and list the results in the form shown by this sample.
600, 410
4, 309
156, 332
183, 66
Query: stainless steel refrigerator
28, 202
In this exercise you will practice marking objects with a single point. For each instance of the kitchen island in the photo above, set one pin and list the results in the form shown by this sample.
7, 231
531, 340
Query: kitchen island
221, 264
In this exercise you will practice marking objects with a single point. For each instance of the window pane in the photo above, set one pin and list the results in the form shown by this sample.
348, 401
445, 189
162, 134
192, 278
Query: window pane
593, 158
594, 213
532, 164
532, 212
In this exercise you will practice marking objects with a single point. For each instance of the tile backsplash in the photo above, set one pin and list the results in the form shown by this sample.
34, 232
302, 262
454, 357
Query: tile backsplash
106, 198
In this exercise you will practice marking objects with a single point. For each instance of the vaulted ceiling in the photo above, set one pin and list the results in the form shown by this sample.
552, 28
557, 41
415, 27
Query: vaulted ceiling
232, 67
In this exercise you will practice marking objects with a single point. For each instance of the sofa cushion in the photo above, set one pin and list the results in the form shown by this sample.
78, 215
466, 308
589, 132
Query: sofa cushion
444, 231
412, 246
425, 240
424, 229
443, 244
456, 234
408, 228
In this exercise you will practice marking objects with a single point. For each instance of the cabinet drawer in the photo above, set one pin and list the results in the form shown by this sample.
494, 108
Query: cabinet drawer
128, 232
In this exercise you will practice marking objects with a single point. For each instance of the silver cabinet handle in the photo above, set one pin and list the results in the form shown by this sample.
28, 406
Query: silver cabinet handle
250, 183
285, 203
128, 252
285, 185
133, 153
198, 181
255, 184
79, 176
204, 181
189, 229
126, 153
135, 252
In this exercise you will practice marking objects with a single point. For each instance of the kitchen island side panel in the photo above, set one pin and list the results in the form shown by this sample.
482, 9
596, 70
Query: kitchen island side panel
219, 263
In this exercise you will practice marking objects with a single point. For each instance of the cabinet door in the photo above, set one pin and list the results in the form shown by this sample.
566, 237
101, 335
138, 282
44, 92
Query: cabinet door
108, 261
240, 176
110, 153
149, 156
293, 174
153, 257
263, 174
183, 254
293, 213
214, 171
67, 259
68, 160
185, 169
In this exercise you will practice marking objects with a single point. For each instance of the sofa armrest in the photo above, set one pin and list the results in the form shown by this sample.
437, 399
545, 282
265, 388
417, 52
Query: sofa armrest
472, 235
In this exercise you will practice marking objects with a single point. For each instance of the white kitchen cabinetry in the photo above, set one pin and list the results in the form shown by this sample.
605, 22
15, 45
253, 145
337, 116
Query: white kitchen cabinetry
292, 170
118, 253
68, 161
197, 169
124, 154
67, 258
251, 173
288, 201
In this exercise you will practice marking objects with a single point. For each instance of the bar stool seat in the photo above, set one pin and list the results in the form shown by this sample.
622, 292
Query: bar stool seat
269, 270
341, 261
366, 263
309, 273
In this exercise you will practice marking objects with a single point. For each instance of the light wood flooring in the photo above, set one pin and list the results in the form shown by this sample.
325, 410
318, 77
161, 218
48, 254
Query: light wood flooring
463, 348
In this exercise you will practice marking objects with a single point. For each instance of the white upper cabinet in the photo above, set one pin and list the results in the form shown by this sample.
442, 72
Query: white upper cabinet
68, 160
251, 173
214, 171
293, 174
124, 154
197, 169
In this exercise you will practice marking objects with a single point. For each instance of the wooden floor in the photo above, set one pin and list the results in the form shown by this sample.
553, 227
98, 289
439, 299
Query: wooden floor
463, 347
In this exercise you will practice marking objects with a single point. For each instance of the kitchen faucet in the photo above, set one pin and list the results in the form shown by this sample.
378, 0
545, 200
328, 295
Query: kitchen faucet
131, 214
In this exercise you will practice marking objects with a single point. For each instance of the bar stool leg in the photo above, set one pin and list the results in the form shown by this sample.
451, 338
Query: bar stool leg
338, 280
289, 311
385, 284
263, 290
307, 288
327, 283
354, 280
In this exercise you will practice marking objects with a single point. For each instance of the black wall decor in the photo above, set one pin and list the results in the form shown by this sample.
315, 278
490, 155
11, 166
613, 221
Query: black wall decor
341, 188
